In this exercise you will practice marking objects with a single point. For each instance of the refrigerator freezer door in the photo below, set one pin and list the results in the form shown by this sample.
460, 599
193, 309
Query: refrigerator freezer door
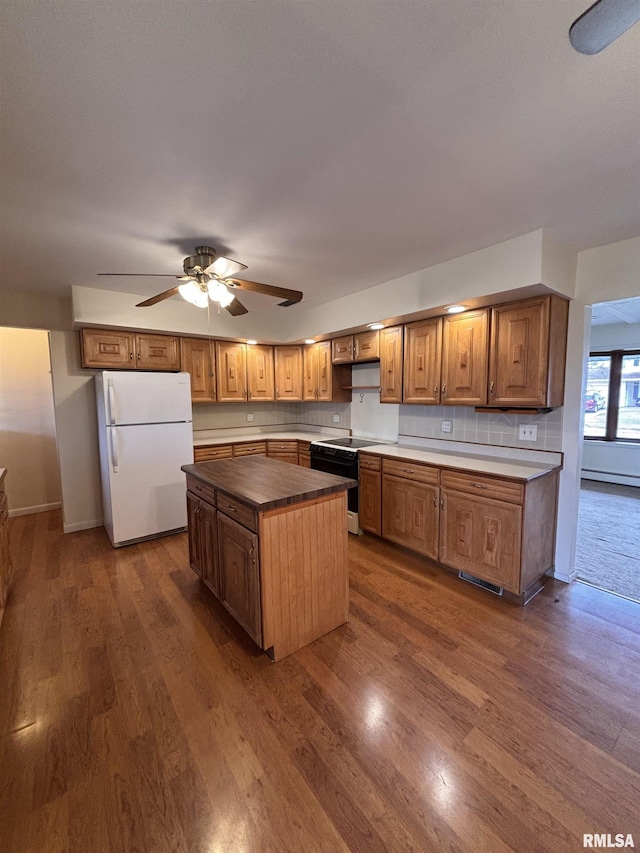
145, 398
146, 489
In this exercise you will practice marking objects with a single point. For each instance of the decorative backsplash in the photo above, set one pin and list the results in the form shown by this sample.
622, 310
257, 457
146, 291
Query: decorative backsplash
229, 415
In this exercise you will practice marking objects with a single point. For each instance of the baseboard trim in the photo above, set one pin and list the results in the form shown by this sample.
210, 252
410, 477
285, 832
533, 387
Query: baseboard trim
607, 477
31, 510
82, 525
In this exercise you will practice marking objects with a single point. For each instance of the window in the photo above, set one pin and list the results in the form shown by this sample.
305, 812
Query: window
612, 396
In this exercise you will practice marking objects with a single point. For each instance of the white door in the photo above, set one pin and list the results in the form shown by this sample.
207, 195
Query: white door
146, 398
147, 487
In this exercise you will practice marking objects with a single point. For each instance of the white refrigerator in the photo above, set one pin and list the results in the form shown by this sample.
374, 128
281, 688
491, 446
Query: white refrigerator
145, 435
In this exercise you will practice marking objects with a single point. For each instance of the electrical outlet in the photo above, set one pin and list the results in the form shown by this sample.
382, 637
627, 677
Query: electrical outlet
446, 426
250, 418
336, 419
528, 433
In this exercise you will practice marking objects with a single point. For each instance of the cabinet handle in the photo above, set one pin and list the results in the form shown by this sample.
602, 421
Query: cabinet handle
408, 470
249, 394
444, 391
435, 500
138, 356
480, 486
5, 514
232, 509
491, 384
442, 502
130, 355
435, 389
277, 391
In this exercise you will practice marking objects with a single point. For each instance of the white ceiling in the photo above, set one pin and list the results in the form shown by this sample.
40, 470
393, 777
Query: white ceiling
330, 146
620, 311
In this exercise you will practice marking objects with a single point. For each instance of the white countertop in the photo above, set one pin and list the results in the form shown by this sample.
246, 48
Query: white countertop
479, 464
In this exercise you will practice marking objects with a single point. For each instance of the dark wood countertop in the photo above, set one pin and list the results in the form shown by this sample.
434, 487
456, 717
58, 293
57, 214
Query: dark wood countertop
264, 483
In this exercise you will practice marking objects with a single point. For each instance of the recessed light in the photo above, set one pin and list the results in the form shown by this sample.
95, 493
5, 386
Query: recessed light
455, 309
375, 326
309, 341
252, 342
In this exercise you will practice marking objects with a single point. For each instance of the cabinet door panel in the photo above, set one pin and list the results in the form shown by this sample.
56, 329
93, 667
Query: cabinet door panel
231, 372
325, 373
422, 357
197, 358
209, 543
391, 365
519, 353
239, 575
410, 515
465, 352
288, 373
366, 346
109, 350
194, 533
482, 537
310, 360
370, 497
260, 384
342, 350
157, 352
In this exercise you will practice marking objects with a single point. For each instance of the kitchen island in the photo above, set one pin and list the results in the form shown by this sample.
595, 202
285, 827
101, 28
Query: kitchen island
269, 540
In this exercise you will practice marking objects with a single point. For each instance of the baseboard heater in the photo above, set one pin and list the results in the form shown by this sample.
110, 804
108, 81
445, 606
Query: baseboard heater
491, 587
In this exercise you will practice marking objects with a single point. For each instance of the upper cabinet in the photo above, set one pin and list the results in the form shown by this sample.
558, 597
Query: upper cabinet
288, 372
364, 346
108, 350
391, 365
244, 372
465, 352
324, 381
527, 353
422, 357
197, 358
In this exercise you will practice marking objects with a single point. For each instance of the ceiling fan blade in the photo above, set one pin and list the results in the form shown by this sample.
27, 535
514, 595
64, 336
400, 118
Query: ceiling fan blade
291, 297
236, 307
225, 267
145, 274
158, 297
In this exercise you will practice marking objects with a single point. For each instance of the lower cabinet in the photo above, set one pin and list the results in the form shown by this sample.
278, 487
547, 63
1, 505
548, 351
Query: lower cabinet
239, 588
285, 451
499, 530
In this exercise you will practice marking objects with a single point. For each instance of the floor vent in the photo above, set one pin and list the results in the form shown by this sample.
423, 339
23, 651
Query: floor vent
496, 590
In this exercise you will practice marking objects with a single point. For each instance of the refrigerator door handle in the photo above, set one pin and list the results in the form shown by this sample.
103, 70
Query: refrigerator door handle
114, 451
111, 397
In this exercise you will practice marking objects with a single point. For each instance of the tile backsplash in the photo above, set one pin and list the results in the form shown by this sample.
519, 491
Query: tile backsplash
480, 427
229, 415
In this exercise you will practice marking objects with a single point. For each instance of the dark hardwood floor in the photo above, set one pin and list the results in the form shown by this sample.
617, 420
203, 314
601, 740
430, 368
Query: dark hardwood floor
136, 716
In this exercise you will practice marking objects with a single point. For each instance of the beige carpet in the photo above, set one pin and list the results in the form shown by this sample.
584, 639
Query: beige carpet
608, 548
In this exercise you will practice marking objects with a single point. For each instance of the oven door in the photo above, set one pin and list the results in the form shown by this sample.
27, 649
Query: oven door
340, 466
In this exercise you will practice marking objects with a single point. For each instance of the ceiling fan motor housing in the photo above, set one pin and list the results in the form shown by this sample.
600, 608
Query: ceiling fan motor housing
199, 262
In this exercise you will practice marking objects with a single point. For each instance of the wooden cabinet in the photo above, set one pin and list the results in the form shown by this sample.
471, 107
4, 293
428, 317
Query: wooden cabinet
203, 538
370, 493
288, 373
527, 352
250, 448
110, 350
422, 359
240, 575
465, 352
410, 512
197, 358
244, 372
361, 347
285, 451
6, 566
304, 454
209, 452
391, 365
324, 381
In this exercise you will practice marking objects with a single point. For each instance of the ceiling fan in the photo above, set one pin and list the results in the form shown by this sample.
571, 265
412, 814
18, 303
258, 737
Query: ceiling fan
210, 276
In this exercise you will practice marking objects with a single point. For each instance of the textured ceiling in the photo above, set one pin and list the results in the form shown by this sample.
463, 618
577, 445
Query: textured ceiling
330, 146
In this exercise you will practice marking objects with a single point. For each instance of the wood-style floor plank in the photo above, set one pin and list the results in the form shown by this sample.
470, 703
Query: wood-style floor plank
136, 715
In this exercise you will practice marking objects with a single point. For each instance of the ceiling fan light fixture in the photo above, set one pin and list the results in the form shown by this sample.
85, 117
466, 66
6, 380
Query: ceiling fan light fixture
603, 23
192, 292
219, 293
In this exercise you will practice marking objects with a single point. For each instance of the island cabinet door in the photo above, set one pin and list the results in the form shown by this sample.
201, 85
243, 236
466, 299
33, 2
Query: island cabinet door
370, 501
195, 533
240, 575
209, 548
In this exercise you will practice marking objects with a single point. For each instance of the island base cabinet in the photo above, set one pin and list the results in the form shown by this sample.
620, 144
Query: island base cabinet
240, 575
410, 514
482, 537
370, 497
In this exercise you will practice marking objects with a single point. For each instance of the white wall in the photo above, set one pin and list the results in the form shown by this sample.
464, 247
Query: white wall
369, 417
27, 427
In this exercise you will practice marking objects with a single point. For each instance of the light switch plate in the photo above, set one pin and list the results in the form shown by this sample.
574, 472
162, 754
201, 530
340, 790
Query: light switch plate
528, 432
446, 426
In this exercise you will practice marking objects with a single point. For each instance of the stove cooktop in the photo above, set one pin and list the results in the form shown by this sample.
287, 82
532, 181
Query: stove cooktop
347, 442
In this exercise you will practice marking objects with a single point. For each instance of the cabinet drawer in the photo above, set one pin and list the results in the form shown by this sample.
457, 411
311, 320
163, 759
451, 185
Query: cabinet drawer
480, 484
212, 451
242, 513
291, 458
277, 447
369, 463
250, 448
201, 490
411, 471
